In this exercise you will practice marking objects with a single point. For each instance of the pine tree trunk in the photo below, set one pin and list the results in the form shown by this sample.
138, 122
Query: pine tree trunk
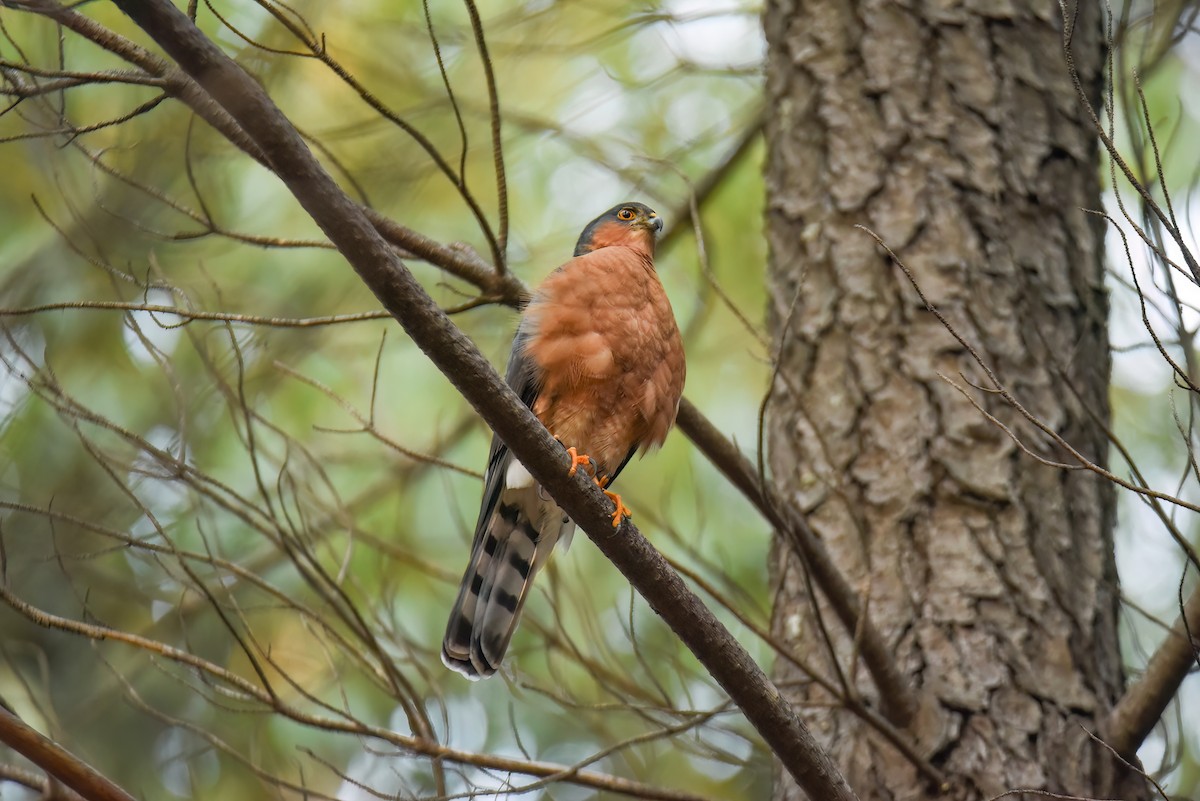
958, 137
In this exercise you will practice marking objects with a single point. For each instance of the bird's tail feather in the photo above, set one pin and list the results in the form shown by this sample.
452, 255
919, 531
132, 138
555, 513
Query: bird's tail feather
493, 592
504, 591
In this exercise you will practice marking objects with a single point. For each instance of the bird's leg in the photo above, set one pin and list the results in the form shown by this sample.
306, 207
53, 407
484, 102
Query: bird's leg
622, 511
578, 459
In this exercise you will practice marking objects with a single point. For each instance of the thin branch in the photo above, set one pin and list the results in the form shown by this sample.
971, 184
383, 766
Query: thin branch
896, 699
321, 53
1109, 145
458, 261
1142, 705
454, 104
56, 760
195, 314
489, 75
1000, 389
51, 789
678, 218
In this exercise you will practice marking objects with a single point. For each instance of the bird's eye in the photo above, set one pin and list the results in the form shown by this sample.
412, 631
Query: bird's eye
625, 214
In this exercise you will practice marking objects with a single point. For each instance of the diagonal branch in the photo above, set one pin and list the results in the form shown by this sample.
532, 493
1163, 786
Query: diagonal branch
59, 763
454, 354
1143, 703
896, 700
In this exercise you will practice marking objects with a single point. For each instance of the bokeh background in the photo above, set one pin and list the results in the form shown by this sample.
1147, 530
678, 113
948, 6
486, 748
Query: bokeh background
305, 490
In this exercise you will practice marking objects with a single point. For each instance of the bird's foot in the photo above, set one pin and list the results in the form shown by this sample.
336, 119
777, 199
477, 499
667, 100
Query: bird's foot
578, 459
622, 511
582, 459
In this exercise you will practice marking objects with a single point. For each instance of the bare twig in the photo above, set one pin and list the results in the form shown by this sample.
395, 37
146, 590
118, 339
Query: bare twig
196, 314
456, 261
1000, 389
489, 75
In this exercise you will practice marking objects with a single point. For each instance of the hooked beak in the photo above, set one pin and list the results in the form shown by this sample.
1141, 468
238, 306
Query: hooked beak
655, 223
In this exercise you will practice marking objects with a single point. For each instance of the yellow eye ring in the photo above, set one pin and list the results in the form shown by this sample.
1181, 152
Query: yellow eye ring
625, 214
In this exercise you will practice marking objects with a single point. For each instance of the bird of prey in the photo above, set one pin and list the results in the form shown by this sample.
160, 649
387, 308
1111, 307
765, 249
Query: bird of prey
599, 360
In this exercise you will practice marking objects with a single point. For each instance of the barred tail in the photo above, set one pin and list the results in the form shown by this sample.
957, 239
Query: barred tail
504, 561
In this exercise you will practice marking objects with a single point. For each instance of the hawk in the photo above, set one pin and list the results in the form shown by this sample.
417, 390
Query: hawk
599, 360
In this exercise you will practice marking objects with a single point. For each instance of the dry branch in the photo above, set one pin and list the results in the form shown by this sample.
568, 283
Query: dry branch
59, 763
1143, 703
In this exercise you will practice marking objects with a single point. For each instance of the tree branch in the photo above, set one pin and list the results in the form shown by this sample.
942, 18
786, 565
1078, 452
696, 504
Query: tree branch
58, 763
49, 788
456, 356
1144, 701
896, 700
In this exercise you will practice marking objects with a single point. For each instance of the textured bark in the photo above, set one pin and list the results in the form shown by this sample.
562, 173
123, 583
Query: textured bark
954, 131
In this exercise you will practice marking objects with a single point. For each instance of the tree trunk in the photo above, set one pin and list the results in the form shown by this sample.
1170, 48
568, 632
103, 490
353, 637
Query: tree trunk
958, 137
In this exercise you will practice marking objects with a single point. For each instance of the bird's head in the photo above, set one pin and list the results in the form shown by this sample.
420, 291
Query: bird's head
630, 224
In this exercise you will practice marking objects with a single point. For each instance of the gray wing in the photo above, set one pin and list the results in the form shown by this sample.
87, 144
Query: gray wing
521, 375
502, 564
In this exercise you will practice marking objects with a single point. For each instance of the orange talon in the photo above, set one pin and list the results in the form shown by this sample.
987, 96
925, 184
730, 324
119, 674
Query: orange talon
577, 459
621, 511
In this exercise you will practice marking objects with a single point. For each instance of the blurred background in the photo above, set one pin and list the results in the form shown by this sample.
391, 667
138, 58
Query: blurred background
291, 496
